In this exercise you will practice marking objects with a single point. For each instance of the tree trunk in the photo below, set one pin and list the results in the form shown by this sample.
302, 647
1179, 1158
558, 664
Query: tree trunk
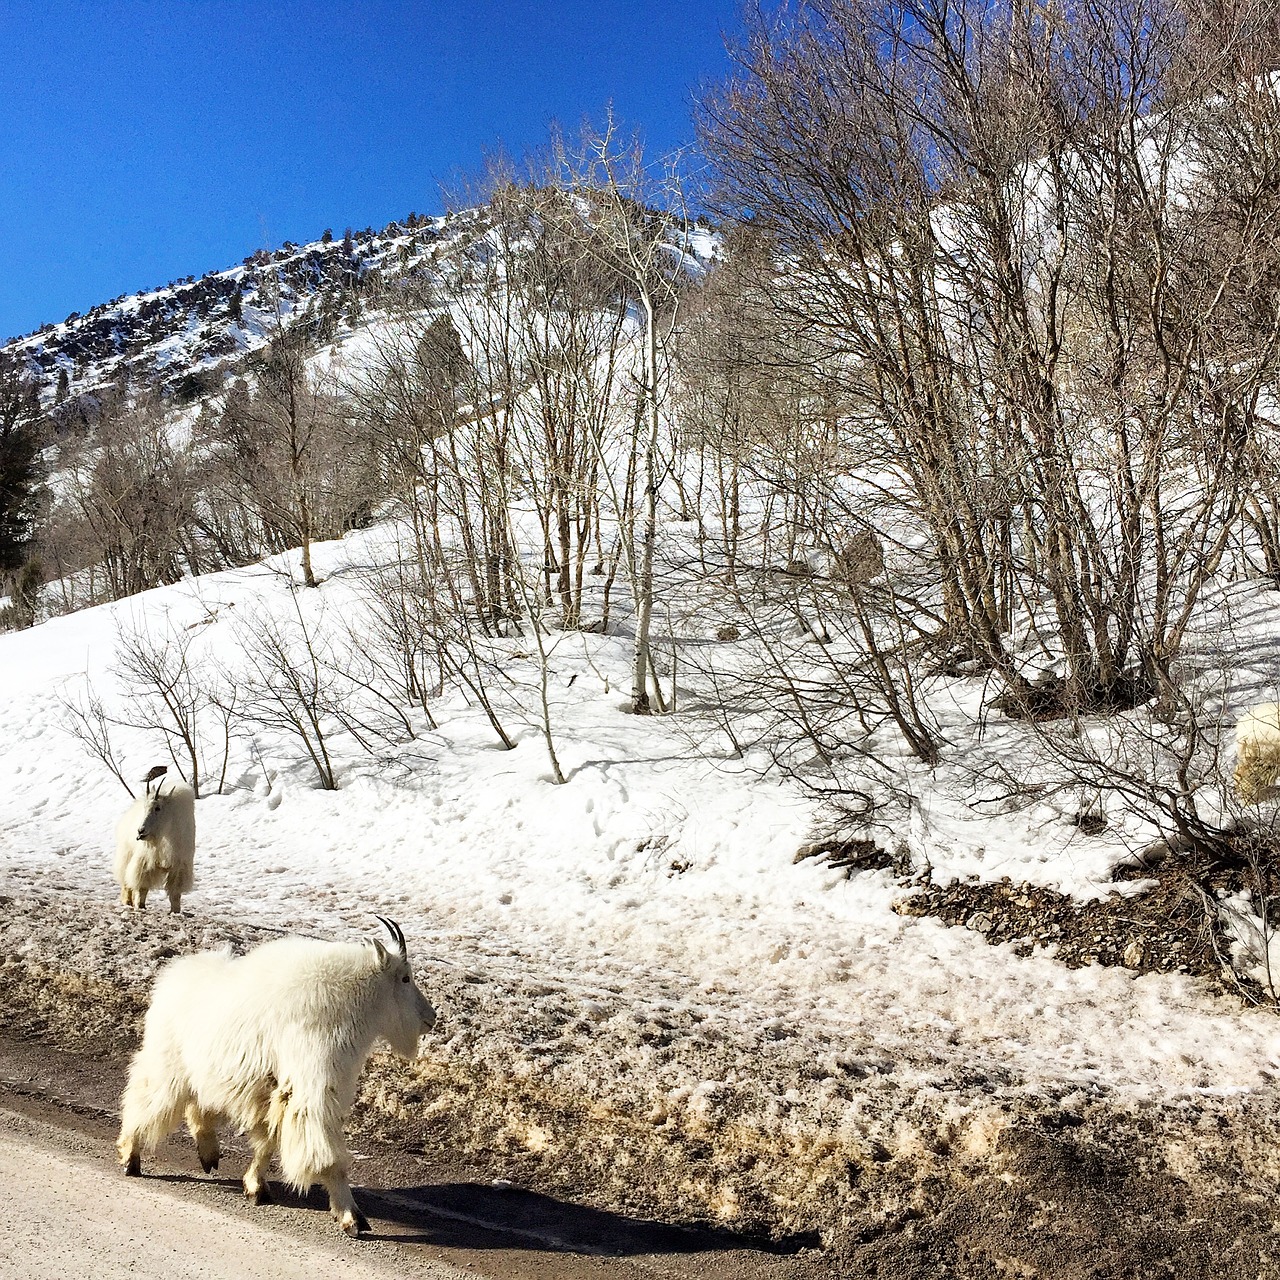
644, 573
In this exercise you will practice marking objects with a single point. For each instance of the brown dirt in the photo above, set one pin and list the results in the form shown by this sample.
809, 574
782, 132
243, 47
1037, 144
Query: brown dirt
1167, 926
1161, 930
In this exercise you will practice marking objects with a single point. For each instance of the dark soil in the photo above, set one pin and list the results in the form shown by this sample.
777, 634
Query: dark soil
1168, 927
852, 855
1058, 699
1160, 930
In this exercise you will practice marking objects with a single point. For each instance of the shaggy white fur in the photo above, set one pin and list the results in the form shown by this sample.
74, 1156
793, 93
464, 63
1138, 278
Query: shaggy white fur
156, 844
272, 1042
1257, 750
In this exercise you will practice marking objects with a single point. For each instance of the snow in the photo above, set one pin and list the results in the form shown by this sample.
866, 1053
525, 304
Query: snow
1254, 947
660, 875
174, 341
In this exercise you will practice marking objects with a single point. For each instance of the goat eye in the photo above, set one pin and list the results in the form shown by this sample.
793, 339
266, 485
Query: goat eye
405, 978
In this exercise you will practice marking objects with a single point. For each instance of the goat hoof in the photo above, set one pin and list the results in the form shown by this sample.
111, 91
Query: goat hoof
261, 1196
133, 1166
209, 1165
354, 1224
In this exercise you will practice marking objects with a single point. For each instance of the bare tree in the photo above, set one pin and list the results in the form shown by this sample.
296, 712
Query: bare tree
288, 685
445, 461
570, 317
421, 622
638, 229
1000, 237
287, 448
166, 692
86, 719
133, 495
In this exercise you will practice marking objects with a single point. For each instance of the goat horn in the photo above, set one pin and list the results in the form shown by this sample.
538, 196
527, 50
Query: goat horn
397, 936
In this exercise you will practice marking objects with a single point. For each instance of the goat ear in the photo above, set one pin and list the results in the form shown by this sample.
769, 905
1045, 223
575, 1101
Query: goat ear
384, 956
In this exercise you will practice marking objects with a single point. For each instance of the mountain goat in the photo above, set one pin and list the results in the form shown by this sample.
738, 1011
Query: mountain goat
1257, 750
274, 1042
156, 842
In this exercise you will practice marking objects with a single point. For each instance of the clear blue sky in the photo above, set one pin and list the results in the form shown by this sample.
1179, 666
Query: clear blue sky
143, 141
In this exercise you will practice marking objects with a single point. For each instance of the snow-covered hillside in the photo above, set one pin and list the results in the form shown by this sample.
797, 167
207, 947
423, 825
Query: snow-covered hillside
632, 962
655, 866
190, 336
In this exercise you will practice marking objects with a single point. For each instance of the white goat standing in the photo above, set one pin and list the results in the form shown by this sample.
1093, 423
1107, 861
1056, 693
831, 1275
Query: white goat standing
274, 1042
156, 842
1257, 750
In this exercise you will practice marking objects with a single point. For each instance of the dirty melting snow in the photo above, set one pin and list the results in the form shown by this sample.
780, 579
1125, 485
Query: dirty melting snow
656, 885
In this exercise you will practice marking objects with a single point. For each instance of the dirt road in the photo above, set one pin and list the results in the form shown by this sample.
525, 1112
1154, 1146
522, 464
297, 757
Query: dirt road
70, 1215
73, 1213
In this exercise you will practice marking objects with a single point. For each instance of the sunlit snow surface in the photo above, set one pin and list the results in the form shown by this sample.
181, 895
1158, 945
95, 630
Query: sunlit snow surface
654, 871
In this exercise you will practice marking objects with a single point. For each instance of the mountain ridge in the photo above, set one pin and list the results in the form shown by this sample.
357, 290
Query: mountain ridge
188, 335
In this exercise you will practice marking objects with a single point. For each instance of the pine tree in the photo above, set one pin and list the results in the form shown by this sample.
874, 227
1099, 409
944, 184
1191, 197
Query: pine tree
26, 593
20, 467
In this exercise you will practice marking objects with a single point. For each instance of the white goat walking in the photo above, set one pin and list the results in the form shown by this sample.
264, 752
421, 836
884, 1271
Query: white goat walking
1257, 750
274, 1042
156, 842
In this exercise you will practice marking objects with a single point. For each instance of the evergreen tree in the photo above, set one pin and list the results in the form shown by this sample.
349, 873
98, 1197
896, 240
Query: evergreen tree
20, 467
26, 593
